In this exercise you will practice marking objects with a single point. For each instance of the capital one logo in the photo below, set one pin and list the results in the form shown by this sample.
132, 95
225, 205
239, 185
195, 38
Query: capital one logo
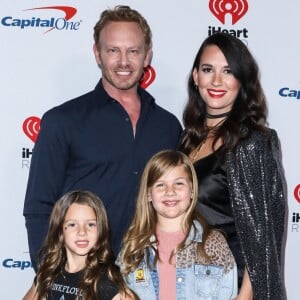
67, 10
31, 127
60, 23
236, 8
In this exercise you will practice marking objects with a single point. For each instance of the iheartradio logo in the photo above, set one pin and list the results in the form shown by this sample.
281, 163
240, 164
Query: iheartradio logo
297, 193
31, 127
148, 77
236, 8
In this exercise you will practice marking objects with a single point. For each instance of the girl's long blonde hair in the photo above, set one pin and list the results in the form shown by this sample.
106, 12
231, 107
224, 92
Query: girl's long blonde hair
137, 240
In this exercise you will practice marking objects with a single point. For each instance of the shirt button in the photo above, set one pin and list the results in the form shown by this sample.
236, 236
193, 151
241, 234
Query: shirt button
127, 119
135, 172
179, 279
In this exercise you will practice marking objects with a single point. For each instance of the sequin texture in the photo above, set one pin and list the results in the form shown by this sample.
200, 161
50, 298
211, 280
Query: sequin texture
258, 197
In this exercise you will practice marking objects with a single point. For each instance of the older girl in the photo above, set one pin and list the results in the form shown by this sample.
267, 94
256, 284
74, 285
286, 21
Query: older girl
168, 251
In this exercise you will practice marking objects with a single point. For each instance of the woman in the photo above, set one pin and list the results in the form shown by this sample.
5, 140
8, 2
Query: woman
237, 160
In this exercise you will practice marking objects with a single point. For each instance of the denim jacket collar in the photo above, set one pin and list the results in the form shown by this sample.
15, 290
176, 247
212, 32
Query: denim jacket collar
195, 234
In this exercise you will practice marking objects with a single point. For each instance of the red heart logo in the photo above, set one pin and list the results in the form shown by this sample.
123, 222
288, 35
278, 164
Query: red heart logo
297, 193
148, 77
31, 127
220, 8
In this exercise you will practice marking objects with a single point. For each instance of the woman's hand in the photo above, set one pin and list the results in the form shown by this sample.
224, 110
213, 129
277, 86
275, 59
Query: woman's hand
123, 297
246, 292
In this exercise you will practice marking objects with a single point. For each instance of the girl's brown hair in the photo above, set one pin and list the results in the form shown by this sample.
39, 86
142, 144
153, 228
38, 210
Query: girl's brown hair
53, 254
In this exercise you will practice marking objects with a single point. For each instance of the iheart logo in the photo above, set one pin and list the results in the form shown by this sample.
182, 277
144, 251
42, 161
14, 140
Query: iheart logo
31, 127
236, 8
297, 193
148, 77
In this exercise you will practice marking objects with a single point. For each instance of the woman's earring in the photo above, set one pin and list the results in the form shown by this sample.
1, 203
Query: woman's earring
196, 86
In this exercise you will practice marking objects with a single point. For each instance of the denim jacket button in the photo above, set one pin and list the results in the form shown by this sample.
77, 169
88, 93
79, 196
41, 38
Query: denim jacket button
207, 272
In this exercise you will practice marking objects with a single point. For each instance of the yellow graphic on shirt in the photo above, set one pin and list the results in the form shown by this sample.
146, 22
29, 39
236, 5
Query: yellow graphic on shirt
139, 275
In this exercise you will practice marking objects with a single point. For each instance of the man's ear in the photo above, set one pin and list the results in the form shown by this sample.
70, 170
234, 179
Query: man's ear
97, 54
148, 58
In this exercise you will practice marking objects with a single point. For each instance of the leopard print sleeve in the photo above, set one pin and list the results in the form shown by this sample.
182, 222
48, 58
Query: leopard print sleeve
218, 250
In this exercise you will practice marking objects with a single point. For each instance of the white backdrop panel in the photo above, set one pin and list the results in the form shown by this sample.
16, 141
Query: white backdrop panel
40, 70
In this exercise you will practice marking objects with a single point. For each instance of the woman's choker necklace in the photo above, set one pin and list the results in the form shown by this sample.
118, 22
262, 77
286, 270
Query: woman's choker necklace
209, 116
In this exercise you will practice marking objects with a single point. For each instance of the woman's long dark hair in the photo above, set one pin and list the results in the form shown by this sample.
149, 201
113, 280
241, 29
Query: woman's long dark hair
249, 109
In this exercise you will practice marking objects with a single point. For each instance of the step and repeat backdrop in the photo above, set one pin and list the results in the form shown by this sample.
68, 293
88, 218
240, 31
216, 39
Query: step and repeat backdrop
46, 58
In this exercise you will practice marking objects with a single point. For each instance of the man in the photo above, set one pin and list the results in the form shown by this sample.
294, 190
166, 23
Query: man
101, 141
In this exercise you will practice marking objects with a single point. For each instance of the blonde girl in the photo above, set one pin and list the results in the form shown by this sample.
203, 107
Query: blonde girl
168, 251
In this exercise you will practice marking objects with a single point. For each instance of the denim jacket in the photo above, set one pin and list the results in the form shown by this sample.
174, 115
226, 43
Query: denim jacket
196, 278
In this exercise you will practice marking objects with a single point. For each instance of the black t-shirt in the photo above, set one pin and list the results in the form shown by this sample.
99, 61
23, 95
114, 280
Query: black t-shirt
66, 287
